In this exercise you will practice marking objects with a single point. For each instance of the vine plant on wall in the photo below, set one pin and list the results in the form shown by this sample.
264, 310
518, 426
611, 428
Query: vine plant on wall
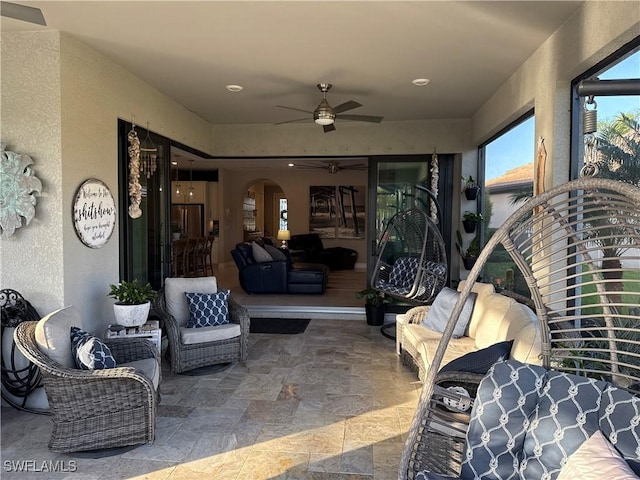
18, 189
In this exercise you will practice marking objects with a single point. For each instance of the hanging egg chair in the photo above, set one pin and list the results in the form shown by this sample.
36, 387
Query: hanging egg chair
412, 261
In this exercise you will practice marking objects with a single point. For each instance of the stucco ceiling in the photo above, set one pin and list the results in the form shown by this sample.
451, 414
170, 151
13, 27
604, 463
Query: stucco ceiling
279, 50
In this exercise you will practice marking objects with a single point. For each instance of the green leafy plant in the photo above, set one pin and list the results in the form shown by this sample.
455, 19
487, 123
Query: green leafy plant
469, 182
132, 293
472, 251
473, 217
372, 296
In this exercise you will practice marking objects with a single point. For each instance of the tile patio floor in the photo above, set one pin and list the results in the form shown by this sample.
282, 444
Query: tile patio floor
333, 403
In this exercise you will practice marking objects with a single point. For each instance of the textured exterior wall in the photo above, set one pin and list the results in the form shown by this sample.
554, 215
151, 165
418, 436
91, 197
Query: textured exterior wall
31, 261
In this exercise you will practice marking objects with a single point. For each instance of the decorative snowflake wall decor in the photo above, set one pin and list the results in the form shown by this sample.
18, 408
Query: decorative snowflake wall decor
18, 189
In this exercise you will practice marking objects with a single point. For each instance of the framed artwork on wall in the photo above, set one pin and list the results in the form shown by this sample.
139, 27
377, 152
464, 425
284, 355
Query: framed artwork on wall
337, 211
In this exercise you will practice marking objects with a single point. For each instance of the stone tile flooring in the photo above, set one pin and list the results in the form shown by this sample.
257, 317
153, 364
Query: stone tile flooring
333, 403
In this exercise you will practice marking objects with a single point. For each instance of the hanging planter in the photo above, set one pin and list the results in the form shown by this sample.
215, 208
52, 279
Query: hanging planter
469, 226
469, 262
470, 221
470, 188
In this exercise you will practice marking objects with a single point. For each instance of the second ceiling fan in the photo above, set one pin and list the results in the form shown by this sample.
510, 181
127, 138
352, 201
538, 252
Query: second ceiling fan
326, 115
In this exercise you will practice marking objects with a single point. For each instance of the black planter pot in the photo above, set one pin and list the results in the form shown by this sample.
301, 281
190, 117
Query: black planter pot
471, 193
469, 225
469, 262
375, 314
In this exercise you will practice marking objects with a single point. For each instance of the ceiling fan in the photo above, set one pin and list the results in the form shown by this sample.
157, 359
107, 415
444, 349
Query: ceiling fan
333, 166
22, 12
326, 115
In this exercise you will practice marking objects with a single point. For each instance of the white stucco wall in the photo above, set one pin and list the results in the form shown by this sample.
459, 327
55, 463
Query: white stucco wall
595, 31
61, 102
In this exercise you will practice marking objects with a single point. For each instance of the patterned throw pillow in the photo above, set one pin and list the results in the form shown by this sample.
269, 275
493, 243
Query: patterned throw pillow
89, 352
208, 309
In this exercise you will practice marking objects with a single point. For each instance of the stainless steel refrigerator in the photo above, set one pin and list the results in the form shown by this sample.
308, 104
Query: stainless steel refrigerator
190, 217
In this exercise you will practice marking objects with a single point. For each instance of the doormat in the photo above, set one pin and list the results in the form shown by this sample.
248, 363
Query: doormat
286, 326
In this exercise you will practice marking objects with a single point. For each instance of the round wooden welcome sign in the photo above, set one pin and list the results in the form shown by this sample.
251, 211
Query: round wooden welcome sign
94, 213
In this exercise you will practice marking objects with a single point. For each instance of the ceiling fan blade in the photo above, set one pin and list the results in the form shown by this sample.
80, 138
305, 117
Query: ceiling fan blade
343, 107
22, 12
296, 109
361, 118
295, 120
329, 128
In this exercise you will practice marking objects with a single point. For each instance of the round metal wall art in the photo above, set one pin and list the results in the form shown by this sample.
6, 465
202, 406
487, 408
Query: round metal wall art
94, 213
18, 189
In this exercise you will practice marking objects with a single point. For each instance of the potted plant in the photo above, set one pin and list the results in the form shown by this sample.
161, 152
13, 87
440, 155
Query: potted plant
374, 305
133, 302
470, 188
471, 220
470, 255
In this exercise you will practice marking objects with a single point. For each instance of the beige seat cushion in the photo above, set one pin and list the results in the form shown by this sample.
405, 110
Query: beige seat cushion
176, 300
425, 342
190, 336
527, 346
53, 335
149, 367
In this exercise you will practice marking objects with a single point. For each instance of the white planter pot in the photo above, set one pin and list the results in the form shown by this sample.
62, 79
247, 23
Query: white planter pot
131, 315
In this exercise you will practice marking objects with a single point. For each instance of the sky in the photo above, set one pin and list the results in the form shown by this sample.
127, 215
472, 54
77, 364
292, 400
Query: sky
517, 147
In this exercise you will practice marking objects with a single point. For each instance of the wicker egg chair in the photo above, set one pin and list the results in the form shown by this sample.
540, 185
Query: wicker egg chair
576, 247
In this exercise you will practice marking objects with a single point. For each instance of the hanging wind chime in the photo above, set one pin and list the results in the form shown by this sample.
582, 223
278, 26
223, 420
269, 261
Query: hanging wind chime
135, 189
589, 129
148, 155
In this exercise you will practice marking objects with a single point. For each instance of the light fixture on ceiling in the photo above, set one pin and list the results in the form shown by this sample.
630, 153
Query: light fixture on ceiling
190, 178
234, 88
291, 164
324, 114
421, 82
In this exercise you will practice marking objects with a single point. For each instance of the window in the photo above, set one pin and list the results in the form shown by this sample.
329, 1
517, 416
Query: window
616, 150
508, 181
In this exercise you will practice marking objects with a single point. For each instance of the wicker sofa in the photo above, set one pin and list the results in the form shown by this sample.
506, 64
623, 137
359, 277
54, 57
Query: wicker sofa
495, 318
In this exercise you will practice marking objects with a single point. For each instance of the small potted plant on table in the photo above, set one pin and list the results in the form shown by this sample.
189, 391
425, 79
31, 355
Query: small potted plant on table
374, 305
133, 302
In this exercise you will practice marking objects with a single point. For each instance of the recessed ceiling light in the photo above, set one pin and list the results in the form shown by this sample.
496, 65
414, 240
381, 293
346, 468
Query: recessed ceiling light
173, 162
234, 88
291, 164
420, 82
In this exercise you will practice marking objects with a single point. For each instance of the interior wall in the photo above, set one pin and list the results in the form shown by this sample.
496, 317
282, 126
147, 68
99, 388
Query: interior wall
60, 103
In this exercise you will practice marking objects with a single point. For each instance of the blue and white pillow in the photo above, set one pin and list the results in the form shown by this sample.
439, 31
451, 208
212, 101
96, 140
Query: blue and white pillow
208, 309
89, 352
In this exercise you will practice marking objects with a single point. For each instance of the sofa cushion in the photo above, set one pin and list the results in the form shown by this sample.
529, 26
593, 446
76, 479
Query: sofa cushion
502, 320
594, 460
260, 254
481, 360
52, 335
438, 315
506, 398
149, 367
208, 309
174, 294
191, 336
276, 253
620, 423
527, 346
89, 352
565, 416
482, 290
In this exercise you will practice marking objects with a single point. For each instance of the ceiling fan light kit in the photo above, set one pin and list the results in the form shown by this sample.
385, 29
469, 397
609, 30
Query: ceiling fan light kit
326, 116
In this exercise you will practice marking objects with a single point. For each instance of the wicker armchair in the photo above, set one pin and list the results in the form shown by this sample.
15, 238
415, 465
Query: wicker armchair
577, 249
214, 345
95, 409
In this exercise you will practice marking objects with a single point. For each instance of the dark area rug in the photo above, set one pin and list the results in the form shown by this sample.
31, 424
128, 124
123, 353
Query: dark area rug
287, 326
